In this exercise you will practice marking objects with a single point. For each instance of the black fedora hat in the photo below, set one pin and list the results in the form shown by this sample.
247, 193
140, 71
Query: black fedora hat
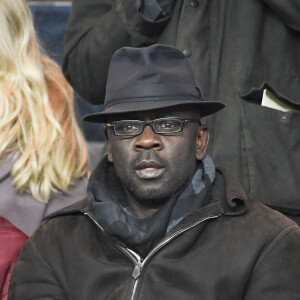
154, 77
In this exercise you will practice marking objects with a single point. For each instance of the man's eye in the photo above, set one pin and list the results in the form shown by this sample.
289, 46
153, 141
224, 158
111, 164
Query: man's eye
129, 128
167, 125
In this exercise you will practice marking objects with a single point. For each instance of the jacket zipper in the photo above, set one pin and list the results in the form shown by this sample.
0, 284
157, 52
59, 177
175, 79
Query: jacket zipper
138, 263
134, 257
124, 250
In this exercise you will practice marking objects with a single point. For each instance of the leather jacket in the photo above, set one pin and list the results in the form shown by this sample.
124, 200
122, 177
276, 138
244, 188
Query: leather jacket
231, 248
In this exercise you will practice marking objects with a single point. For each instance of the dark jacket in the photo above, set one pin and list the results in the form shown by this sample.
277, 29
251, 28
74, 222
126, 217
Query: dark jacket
231, 248
236, 48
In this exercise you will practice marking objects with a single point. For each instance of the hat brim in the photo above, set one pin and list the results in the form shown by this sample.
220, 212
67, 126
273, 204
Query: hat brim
205, 107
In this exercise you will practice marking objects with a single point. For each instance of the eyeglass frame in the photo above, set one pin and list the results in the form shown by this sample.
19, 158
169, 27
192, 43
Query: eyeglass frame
150, 123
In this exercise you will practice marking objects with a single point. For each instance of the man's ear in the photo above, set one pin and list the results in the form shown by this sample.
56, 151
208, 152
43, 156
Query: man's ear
108, 149
109, 154
202, 142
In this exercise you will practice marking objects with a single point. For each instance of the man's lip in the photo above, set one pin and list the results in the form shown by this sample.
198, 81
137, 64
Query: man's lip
146, 164
149, 173
149, 169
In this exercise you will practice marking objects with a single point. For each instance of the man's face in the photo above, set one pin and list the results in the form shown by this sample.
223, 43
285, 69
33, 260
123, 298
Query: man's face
152, 167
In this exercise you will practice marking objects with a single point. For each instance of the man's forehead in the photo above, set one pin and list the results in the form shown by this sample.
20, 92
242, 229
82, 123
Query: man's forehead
183, 112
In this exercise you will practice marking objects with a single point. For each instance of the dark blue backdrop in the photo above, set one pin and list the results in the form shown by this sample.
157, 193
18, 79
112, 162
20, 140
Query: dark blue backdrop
50, 19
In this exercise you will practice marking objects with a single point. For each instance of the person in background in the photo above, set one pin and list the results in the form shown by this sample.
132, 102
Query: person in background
241, 52
43, 155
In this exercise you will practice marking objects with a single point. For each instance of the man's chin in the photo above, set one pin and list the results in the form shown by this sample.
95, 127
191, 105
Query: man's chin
150, 197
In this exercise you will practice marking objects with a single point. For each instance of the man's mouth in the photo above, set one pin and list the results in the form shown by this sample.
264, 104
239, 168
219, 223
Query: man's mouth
149, 169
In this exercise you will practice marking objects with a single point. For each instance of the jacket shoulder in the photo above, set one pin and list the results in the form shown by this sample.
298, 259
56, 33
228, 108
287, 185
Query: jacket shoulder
66, 223
264, 225
78, 207
268, 217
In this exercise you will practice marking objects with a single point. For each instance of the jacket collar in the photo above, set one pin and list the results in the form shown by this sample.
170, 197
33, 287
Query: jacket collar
232, 199
225, 198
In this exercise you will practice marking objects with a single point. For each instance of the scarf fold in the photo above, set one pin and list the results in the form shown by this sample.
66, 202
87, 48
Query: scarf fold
120, 221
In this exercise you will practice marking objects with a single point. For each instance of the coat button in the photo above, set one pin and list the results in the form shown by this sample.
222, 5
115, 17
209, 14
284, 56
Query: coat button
187, 53
194, 3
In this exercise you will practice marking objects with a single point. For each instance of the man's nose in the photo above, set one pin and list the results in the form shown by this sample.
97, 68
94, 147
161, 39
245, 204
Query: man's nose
148, 140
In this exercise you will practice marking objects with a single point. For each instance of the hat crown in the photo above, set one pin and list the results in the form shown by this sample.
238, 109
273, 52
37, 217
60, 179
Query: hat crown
154, 65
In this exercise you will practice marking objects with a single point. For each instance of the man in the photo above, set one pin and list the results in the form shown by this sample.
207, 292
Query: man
240, 51
160, 221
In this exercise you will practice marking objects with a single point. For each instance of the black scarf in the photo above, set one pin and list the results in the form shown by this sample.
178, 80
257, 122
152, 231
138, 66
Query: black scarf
120, 221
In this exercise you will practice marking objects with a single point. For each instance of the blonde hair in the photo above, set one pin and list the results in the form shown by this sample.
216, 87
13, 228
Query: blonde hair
37, 120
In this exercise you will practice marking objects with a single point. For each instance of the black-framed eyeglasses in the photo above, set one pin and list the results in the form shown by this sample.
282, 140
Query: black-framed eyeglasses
160, 126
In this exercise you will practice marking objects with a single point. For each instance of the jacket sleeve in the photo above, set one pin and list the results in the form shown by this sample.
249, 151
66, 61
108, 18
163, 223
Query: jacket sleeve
11, 241
96, 29
277, 272
33, 278
288, 11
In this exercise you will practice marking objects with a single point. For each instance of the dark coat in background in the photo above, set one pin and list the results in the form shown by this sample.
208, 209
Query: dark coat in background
231, 248
236, 48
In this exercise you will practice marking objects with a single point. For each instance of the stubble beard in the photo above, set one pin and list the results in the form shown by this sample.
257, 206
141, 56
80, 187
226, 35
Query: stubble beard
153, 193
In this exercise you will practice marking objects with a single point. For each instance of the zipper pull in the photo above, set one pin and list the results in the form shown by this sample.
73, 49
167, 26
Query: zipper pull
137, 270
